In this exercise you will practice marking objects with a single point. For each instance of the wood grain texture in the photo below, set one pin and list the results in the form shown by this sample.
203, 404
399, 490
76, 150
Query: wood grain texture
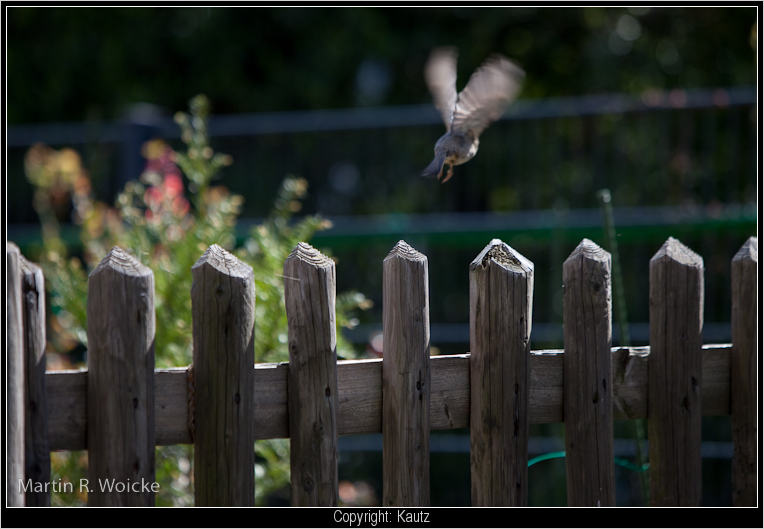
360, 395
743, 373
14, 378
309, 296
629, 375
271, 401
405, 378
121, 328
587, 381
675, 375
67, 396
450, 392
501, 294
37, 449
171, 406
223, 312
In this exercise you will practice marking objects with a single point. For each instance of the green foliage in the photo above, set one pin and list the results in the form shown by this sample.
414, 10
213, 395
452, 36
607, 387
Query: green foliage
69, 467
156, 222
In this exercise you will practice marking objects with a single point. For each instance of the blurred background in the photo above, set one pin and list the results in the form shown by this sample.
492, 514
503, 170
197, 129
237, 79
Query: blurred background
657, 105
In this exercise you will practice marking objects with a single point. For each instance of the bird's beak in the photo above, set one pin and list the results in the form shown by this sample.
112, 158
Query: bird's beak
435, 169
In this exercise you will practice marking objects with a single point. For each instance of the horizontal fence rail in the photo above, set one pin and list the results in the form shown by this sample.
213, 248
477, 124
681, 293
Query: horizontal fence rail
223, 402
359, 407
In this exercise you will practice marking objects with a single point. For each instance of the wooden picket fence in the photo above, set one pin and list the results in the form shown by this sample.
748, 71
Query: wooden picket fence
121, 406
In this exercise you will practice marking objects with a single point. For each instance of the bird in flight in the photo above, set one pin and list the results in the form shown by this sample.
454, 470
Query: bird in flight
488, 93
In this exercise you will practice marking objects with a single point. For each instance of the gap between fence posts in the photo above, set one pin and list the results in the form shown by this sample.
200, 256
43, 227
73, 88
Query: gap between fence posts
501, 296
121, 328
405, 378
587, 385
14, 379
674, 377
309, 297
743, 373
37, 447
223, 314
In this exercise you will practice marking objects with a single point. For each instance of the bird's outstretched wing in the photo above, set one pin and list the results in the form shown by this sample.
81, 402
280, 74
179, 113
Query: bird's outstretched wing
491, 88
440, 75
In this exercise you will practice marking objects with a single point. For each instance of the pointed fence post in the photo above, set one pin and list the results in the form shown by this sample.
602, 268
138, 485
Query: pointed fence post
743, 373
674, 379
309, 295
588, 393
501, 295
120, 402
37, 449
14, 379
223, 313
405, 378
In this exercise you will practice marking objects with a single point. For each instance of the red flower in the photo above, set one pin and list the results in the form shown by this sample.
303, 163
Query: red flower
167, 196
173, 184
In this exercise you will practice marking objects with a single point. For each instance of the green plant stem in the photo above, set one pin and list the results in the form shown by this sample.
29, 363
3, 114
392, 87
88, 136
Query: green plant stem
623, 319
620, 301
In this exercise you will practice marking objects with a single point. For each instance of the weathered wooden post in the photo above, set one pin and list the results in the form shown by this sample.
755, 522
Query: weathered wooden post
405, 378
501, 296
37, 449
14, 379
743, 373
588, 393
121, 329
223, 312
674, 379
309, 295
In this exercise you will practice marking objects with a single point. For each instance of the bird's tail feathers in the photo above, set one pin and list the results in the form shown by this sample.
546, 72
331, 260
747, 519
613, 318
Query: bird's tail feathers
435, 167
